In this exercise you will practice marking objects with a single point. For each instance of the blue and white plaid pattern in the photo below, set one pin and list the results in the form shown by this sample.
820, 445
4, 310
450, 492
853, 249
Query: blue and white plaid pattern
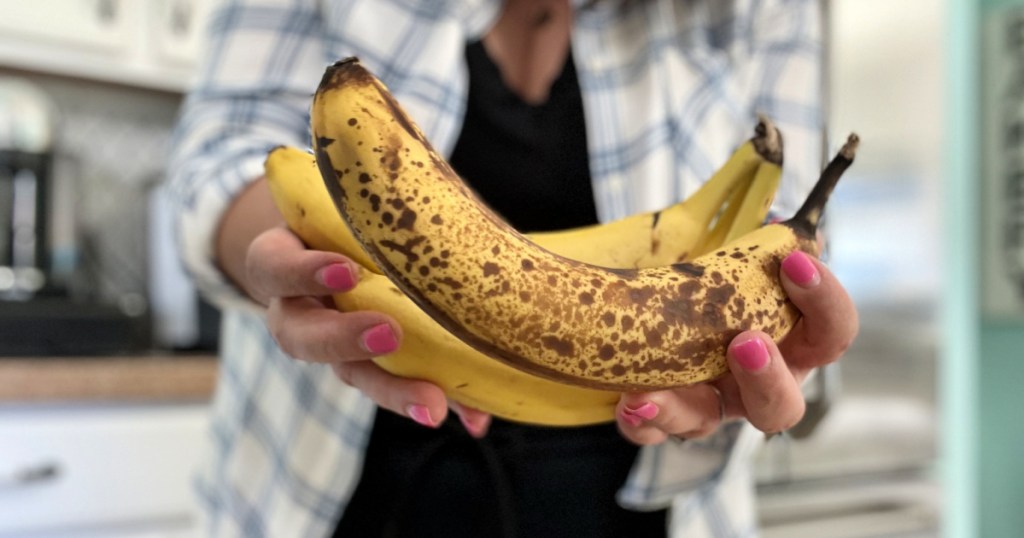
670, 87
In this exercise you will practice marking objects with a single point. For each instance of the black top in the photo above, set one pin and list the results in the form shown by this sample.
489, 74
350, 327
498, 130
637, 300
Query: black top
530, 164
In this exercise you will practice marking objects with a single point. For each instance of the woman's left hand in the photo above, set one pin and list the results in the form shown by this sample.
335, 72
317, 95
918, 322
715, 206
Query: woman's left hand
763, 385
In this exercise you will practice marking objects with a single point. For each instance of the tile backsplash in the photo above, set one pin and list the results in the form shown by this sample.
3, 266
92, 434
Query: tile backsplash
110, 150
110, 232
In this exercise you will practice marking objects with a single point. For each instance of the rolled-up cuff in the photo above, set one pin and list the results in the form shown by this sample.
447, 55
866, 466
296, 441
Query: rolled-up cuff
664, 472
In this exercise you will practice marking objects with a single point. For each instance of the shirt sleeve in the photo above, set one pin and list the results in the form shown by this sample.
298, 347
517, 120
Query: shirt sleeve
261, 65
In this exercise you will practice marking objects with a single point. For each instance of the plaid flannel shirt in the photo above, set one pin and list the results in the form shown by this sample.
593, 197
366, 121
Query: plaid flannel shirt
670, 88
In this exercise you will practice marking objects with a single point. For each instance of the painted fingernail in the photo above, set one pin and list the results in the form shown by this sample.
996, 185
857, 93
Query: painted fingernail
474, 429
421, 415
801, 270
337, 276
379, 339
751, 355
630, 418
647, 411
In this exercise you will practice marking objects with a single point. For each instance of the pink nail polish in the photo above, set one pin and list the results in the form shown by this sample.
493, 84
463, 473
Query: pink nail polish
421, 415
751, 355
801, 270
475, 430
380, 339
630, 418
647, 411
337, 276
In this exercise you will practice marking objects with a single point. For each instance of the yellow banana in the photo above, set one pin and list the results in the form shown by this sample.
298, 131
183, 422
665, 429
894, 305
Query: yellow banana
642, 240
493, 288
755, 204
747, 206
429, 352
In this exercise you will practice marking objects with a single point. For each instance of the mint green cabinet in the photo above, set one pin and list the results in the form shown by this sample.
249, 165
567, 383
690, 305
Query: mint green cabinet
983, 344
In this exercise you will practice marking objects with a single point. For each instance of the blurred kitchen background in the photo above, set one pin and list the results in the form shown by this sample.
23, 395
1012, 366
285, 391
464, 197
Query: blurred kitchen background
106, 352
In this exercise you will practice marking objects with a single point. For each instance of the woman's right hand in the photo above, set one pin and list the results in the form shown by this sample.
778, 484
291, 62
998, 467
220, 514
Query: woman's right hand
296, 284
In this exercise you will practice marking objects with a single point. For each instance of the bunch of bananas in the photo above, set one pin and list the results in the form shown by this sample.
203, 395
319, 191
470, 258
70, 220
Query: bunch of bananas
545, 328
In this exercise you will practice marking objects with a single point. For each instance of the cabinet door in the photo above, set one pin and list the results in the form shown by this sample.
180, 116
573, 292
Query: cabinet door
97, 24
76, 470
180, 29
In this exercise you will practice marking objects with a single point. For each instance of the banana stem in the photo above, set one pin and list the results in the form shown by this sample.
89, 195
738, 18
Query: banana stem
808, 216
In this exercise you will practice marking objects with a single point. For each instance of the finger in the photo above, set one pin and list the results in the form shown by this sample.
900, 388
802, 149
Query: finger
306, 329
418, 400
651, 417
771, 396
829, 321
475, 421
279, 265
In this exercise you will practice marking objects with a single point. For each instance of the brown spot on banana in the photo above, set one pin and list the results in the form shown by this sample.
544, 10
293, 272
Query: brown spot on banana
673, 323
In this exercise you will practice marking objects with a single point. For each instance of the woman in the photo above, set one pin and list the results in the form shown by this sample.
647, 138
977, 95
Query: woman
560, 113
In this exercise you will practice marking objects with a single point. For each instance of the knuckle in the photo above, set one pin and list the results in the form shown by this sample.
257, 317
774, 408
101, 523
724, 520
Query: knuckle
708, 426
648, 437
328, 346
842, 344
278, 329
630, 433
786, 418
346, 374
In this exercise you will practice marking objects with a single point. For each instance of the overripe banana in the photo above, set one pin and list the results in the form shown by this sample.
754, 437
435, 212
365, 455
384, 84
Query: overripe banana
429, 352
649, 239
572, 322
745, 211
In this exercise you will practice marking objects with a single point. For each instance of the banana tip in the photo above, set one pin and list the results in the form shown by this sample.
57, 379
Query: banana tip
849, 149
345, 71
345, 61
271, 151
768, 140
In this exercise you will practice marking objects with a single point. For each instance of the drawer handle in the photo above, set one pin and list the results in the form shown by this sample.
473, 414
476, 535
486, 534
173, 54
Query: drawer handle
30, 475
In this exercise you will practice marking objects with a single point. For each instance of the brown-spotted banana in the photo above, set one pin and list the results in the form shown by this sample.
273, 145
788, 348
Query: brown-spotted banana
649, 239
577, 323
471, 378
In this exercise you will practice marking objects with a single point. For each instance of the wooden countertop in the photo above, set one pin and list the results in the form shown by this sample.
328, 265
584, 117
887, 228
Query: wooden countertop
142, 379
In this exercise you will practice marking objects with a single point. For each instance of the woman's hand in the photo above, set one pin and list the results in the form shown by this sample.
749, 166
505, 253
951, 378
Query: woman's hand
763, 385
276, 269
296, 284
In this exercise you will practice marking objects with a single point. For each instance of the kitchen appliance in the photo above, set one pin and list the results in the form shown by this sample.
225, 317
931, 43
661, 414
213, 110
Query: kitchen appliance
27, 122
46, 307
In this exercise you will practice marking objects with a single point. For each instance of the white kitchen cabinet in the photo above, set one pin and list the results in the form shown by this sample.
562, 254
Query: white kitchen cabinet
111, 470
145, 43
101, 25
179, 30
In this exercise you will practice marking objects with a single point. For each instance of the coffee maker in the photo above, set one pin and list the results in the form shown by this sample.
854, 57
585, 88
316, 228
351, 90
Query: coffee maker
45, 310
27, 122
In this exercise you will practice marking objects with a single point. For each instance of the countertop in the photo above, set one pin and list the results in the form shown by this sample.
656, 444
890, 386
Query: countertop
145, 378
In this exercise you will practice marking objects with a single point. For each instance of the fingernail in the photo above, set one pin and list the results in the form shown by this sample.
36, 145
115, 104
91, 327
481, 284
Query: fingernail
337, 276
475, 430
800, 269
380, 339
647, 411
751, 355
630, 418
421, 415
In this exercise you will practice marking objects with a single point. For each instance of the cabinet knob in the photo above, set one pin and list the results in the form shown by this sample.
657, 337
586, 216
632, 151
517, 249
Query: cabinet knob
106, 11
181, 17
30, 475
